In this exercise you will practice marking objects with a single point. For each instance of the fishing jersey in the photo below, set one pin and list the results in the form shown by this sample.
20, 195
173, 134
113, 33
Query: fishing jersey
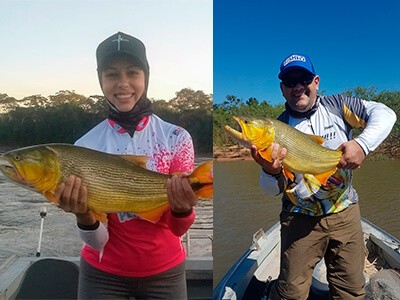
333, 120
128, 245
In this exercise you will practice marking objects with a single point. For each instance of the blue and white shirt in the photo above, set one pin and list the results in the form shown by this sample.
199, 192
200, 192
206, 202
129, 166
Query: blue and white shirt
333, 120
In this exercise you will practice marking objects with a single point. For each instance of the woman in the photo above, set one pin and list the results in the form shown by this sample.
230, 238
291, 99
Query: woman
128, 256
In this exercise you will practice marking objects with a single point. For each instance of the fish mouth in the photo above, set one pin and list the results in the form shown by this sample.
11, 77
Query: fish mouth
238, 136
9, 170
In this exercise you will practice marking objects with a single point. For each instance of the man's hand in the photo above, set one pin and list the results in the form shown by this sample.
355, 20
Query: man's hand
278, 154
352, 157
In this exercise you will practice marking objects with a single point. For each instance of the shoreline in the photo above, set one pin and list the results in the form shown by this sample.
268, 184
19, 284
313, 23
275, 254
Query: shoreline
231, 153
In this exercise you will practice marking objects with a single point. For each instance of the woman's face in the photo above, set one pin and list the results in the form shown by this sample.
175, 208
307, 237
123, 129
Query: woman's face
123, 83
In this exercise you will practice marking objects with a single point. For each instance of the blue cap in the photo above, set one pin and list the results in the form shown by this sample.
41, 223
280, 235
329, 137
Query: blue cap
296, 61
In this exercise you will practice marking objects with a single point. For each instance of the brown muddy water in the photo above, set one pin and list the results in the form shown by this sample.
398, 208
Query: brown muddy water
241, 208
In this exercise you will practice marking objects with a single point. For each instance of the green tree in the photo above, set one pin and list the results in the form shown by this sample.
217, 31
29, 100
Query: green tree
66, 96
35, 101
7, 103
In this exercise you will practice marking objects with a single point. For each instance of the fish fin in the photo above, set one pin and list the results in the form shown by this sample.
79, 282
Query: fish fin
288, 174
202, 180
323, 177
206, 192
50, 196
153, 215
138, 160
318, 139
102, 217
266, 154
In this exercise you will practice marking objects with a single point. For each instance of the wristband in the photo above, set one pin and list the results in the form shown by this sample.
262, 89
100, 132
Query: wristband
181, 214
89, 227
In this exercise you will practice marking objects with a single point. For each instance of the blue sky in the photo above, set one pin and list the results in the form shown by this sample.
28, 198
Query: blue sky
49, 45
351, 43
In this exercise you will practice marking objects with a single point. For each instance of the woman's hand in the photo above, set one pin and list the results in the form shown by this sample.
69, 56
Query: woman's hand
72, 196
181, 196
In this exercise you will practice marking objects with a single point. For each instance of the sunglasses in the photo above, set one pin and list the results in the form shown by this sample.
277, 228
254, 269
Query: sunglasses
304, 80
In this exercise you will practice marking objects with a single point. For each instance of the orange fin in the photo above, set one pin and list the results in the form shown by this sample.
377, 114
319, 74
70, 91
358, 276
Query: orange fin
206, 192
317, 139
202, 180
155, 214
323, 177
138, 160
102, 217
50, 196
288, 174
266, 154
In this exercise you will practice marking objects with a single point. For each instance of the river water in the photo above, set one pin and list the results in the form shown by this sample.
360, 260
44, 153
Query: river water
20, 222
241, 208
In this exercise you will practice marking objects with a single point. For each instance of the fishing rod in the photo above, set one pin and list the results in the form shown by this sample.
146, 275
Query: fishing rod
43, 214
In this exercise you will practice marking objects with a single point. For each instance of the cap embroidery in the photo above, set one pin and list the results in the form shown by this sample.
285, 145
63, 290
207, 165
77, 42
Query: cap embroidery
294, 58
119, 40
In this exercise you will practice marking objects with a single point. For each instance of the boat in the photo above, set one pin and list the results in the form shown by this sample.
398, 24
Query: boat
42, 276
57, 278
251, 275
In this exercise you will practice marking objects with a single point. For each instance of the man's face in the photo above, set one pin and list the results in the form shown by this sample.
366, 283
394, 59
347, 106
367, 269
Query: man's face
300, 89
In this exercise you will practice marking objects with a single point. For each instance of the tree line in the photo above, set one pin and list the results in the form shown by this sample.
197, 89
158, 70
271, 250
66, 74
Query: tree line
66, 116
234, 106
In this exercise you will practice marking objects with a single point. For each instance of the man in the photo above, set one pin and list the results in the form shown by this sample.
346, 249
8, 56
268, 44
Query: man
323, 223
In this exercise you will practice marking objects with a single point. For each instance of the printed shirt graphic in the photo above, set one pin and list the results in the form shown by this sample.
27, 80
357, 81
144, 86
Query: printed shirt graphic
306, 194
333, 120
137, 247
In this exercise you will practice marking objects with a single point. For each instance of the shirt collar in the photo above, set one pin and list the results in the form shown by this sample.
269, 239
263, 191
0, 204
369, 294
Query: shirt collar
118, 128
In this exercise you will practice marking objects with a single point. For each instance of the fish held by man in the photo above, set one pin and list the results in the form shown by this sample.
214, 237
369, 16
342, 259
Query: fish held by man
115, 183
304, 155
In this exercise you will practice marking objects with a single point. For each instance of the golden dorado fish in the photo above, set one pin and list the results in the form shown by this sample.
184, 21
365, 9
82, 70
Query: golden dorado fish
115, 183
304, 155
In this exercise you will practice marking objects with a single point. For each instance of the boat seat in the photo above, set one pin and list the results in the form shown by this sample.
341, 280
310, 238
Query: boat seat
50, 279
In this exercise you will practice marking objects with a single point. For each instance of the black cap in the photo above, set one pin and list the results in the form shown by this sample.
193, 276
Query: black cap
122, 44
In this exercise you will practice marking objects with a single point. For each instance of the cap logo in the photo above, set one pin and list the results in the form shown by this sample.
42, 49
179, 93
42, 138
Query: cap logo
294, 58
119, 40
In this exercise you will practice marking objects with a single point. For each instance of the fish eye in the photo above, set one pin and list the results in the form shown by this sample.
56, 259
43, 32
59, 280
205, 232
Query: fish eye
17, 157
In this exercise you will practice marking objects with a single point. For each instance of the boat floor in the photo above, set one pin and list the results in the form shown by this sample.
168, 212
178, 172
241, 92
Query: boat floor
57, 278
381, 271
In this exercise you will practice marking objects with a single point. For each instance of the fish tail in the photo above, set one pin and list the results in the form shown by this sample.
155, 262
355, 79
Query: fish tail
202, 180
102, 217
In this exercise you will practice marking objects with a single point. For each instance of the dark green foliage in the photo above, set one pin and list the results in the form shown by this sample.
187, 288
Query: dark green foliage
66, 116
233, 106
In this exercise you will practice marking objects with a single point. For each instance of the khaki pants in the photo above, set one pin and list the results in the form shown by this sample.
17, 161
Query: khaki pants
305, 240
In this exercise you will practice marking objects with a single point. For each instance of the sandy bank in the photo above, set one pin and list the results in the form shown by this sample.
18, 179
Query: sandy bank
231, 153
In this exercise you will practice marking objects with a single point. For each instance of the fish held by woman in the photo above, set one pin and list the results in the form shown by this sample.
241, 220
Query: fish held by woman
304, 155
115, 183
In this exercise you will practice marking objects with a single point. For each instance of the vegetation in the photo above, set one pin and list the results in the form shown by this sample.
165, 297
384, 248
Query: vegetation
234, 106
66, 116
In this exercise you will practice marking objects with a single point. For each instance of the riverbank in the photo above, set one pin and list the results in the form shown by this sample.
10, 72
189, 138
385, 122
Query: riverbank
231, 153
